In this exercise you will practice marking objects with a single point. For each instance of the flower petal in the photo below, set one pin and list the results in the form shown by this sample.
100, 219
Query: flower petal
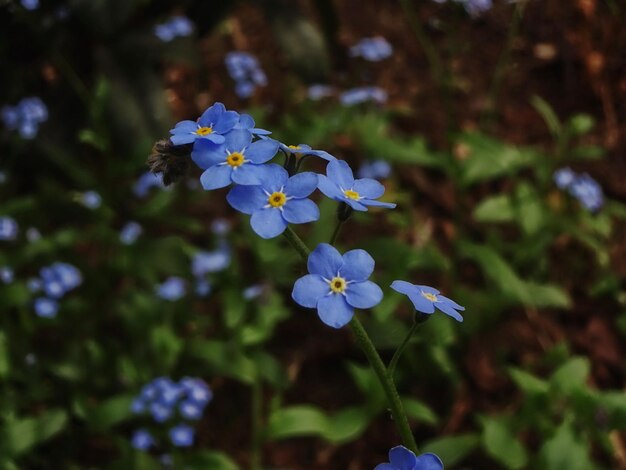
385, 466
206, 154
248, 174
237, 140
402, 458
356, 205
215, 177
334, 310
449, 310
301, 185
340, 172
404, 287
226, 122
268, 223
329, 188
370, 202
451, 302
215, 138
273, 177
427, 290
325, 260
358, 265
261, 151
182, 138
364, 294
369, 188
247, 199
300, 211
211, 115
429, 461
421, 303
309, 289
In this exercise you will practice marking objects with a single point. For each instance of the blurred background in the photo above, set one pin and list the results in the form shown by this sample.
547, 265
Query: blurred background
145, 326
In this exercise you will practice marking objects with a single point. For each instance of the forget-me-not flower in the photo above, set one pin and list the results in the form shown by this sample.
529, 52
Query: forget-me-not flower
239, 160
304, 150
146, 181
372, 49
210, 127
244, 68
337, 284
60, 278
173, 288
205, 262
6, 275
564, 177
360, 95
318, 91
278, 201
376, 169
46, 308
588, 192
90, 199
26, 116
182, 435
8, 228
130, 232
401, 458
177, 26
425, 299
142, 440
339, 184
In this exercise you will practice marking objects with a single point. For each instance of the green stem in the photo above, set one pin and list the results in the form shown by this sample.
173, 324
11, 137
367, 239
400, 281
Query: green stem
395, 404
394, 360
257, 400
297, 243
333, 238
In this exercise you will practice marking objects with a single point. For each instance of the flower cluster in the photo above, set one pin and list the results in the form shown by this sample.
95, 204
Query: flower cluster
55, 281
176, 26
8, 229
165, 400
372, 49
244, 68
25, 117
401, 458
581, 186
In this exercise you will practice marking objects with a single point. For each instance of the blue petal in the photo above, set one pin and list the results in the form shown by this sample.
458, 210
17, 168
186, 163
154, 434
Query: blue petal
358, 265
237, 140
245, 121
261, 151
451, 302
427, 289
329, 188
184, 126
325, 260
301, 185
215, 177
339, 171
206, 154
300, 211
273, 177
364, 294
226, 122
369, 188
182, 139
404, 287
215, 138
323, 154
402, 458
334, 310
309, 289
356, 205
449, 310
369, 202
429, 462
248, 174
385, 466
421, 303
247, 199
211, 115
268, 223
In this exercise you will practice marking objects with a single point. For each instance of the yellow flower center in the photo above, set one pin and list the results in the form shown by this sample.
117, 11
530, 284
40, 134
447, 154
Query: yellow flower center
352, 194
277, 199
204, 131
235, 159
431, 297
294, 147
338, 285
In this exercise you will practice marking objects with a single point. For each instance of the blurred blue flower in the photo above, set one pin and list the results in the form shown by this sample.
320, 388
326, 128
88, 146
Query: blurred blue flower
588, 192
190, 409
277, 201
138, 405
318, 91
372, 49
34, 284
244, 68
173, 288
25, 117
3, 177
337, 284
239, 160
46, 308
473, 7
564, 177
376, 169
91, 199
30, 4
60, 278
203, 287
362, 95
142, 440
8, 229
182, 435
196, 390
130, 232
340, 185
220, 227
205, 262
401, 458
209, 128
160, 411
252, 292
177, 26
303, 150
146, 181
33, 235
425, 299
6, 274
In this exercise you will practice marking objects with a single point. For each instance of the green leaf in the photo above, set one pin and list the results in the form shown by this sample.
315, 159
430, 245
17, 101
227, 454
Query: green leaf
565, 451
227, 359
530, 211
110, 412
369, 385
4, 356
502, 445
452, 449
548, 115
166, 344
419, 411
588, 152
495, 209
21, 435
208, 460
528, 383
571, 376
580, 124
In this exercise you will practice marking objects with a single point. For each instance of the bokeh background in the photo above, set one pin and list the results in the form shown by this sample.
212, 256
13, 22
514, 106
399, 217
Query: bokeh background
144, 326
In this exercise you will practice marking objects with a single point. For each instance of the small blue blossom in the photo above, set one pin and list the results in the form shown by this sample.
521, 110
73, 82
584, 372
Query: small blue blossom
142, 440
363, 95
6, 274
210, 127
401, 458
146, 181
252, 292
588, 192
197, 390
8, 229
302, 150
60, 278
177, 26
372, 49
191, 409
25, 117
205, 262
337, 284
564, 177
34, 284
138, 405
160, 411
203, 288
182, 435
377, 169
33, 235
244, 68
277, 201
130, 232
425, 299
239, 160
318, 91
3, 177
172, 289
46, 308
247, 123
220, 227
91, 199
339, 184
30, 4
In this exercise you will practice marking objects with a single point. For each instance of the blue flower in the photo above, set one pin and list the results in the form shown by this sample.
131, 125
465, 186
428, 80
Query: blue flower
8, 228
246, 122
252, 292
6, 274
190, 409
377, 169
340, 185
205, 262
160, 411
30, 4
130, 232
34, 284
146, 181
203, 288
588, 192
401, 458
564, 177
197, 390
32, 234
138, 405
303, 150
372, 49
425, 299
142, 440
277, 201
173, 288
318, 91
91, 199
209, 128
239, 160
362, 95
177, 26
46, 308
337, 284
244, 68
60, 278
26, 116
220, 227
182, 435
